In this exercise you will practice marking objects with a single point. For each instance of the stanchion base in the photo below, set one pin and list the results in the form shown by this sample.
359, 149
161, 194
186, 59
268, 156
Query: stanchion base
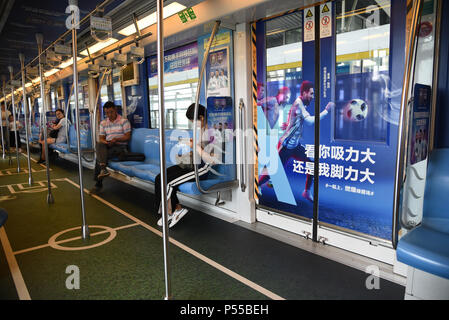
50, 199
85, 232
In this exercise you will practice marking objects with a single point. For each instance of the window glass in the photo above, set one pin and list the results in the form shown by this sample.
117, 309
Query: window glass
180, 84
362, 69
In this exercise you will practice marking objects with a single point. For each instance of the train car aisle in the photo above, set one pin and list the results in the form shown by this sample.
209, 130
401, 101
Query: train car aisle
210, 258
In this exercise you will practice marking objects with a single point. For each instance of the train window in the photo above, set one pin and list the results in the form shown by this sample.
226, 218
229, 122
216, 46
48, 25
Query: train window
362, 67
53, 100
177, 100
180, 78
117, 88
104, 94
284, 65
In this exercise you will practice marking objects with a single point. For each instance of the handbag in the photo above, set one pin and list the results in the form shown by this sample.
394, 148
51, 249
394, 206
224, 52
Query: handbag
131, 156
53, 133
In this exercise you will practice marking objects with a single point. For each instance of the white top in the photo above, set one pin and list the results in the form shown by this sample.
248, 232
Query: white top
11, 126
5, 115
62, 134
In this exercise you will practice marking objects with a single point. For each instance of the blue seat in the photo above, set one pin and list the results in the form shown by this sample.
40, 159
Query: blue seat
191, 187
146, 141
3, 217
427, 246
61, 147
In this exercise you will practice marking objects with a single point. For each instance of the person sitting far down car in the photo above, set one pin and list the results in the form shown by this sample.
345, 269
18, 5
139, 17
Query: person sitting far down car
115, 133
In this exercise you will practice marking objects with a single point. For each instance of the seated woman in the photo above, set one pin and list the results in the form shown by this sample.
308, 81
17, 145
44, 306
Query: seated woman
184, 171
61, 137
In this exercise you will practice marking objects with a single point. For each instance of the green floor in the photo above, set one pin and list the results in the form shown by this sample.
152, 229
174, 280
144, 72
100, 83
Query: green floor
130, 266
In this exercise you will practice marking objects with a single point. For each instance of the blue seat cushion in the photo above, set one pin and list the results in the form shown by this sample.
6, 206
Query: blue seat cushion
191, 188
147, 172
3, 217
426, 249
124, 166
61, 147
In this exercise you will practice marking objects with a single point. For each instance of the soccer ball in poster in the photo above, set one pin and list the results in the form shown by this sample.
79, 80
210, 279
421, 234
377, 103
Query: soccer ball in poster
356, 110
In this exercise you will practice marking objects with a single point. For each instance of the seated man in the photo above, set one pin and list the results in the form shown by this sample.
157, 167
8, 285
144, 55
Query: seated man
115, 133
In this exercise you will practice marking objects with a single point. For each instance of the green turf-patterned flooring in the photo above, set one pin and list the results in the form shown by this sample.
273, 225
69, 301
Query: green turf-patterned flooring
131, 265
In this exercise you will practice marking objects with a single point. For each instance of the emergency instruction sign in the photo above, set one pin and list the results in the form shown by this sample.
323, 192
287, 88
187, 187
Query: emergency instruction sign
309, 26
326, 20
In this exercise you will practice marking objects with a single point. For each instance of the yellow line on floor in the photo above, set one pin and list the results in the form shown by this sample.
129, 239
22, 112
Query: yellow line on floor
72, 239
196, 254
24, 171
42, 181
21, 287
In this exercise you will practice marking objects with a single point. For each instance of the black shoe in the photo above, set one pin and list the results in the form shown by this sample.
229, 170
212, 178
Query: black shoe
103, 174
41, 161
96, 189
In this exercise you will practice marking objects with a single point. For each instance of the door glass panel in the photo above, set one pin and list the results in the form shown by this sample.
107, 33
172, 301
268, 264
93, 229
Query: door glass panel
358, 144
281, 131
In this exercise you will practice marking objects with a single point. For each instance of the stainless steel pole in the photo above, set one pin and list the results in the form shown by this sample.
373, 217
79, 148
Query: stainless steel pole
25, 107
197, 99
40, 42
85, 227
7, 124
160, 75
399, 177
95, 118
1, 125
13, 106
67, 110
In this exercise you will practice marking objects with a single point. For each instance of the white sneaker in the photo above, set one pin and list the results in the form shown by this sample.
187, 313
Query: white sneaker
177, 215
159, 222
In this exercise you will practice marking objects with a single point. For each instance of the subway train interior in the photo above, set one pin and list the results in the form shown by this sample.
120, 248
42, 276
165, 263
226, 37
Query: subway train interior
224, 150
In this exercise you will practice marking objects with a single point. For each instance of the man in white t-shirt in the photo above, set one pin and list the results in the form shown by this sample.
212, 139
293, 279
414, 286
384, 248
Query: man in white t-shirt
4, 124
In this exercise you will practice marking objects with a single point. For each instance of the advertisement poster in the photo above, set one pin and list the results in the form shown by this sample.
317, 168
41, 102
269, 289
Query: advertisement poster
85, 131
176, 60
357, 144
419, 140
135, 106
51, 118
220, 121
217, 78
217, 74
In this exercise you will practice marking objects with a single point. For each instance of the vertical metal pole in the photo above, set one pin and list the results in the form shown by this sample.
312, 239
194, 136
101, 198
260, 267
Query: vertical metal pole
436, 67
66, 111
317, 125
25, 107
40, 42
7, 124
402, 137
160, 75
1, 126
13, 106
85, 227
197, 99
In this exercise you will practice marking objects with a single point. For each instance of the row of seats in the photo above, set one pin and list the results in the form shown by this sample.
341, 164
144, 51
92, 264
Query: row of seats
86, 141
147, 142
427, 246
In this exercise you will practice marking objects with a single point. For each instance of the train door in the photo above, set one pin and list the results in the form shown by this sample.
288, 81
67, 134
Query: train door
327, 103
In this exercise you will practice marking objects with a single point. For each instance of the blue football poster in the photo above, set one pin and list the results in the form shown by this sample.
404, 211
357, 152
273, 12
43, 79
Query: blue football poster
356, 147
